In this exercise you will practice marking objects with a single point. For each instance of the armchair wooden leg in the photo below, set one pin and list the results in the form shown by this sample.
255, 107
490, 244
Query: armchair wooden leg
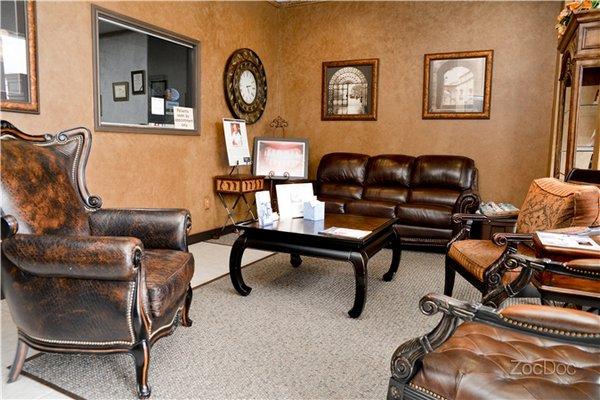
17, 365
449, 277
141, 354
185, 313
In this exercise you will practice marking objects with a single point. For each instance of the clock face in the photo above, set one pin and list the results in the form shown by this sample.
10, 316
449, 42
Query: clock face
248, 86
245, 85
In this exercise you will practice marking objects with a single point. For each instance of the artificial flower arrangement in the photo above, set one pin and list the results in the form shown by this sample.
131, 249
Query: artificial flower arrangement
565, 15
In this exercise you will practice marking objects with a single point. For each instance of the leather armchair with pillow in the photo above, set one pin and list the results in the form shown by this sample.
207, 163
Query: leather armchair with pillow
78, 278
549, 204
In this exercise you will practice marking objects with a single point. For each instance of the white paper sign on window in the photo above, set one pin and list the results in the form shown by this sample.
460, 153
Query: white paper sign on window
157, 106
184, 117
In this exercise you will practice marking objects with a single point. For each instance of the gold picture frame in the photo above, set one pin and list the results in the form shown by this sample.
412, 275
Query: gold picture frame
31, 104
349, 90
457, 85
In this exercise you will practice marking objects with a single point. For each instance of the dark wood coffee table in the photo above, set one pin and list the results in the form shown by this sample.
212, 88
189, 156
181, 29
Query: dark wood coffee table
301, 237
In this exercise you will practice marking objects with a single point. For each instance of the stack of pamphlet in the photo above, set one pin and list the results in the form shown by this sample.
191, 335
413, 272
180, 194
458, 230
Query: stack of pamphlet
345, 232
568, 241
500, 210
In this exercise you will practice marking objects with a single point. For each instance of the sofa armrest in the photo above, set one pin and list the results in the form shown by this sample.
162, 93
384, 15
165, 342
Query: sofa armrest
156, 228
467, 202
79, 257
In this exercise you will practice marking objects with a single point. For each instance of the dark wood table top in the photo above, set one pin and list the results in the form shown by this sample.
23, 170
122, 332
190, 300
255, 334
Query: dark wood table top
302, 226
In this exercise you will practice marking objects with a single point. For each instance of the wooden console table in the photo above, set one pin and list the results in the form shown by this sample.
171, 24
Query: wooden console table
237, 186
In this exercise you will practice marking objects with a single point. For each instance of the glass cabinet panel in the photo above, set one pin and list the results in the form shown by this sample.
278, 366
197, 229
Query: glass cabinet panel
586, 133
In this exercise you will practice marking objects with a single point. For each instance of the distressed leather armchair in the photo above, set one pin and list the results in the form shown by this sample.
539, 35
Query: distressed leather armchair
549, 204
78, 278
519, 352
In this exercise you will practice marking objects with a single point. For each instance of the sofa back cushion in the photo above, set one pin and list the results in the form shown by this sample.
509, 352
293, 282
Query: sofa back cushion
388, 178
552, 204
342, 175
443, 172
445, 197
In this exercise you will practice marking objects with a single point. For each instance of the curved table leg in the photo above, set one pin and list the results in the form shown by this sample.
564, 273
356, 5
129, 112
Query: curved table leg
396, 255
295, 260
235, 266
359, 262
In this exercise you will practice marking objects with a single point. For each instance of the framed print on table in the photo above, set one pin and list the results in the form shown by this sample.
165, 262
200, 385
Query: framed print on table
280, 158
457, 85
349, 90
236, 141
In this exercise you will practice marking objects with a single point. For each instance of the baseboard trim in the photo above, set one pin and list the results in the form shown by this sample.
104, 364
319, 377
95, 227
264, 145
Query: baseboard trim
210, 234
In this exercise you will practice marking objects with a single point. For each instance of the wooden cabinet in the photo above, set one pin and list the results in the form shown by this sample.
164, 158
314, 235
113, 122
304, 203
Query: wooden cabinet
577, 120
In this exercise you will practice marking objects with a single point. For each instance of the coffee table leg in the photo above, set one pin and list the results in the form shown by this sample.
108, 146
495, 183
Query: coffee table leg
359, 262
396, 254
235, 266
295, 260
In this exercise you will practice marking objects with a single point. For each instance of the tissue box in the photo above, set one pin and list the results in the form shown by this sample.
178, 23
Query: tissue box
314, 210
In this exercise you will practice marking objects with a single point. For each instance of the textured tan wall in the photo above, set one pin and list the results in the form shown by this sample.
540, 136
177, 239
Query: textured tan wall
510, 149
144, 170
176, 171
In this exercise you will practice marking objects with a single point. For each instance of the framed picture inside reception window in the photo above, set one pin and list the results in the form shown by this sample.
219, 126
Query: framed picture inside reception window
138, 82
120, 91
457, 85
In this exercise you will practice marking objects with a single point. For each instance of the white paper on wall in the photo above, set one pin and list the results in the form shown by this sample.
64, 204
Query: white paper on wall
184, 117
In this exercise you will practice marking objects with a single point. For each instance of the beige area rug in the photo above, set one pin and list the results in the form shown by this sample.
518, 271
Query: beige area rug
290, 339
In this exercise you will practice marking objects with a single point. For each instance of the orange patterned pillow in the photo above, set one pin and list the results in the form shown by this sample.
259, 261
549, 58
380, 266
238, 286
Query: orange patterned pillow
552, 204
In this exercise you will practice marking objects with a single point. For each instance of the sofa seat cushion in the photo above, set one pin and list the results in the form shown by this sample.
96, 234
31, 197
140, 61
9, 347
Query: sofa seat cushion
477, 255
431, 215
334, 205
372, 208
481, 361
168, 274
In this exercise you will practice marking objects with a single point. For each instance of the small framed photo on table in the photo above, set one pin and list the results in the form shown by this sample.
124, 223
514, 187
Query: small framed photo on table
120, 91
457, 85
138, 82
281, 158
236, 142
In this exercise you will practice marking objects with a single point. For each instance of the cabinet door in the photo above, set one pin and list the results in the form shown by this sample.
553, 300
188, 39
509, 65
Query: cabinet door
586, 135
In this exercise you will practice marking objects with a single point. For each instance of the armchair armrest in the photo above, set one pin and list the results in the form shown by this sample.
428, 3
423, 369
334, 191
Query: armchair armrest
505, 238
80, 257
564, 322
156, 228
10, 226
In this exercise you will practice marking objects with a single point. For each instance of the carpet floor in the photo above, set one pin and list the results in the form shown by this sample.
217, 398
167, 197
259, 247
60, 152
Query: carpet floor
289, 339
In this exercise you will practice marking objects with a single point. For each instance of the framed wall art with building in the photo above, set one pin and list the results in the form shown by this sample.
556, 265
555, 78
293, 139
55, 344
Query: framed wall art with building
349, 90
457, 85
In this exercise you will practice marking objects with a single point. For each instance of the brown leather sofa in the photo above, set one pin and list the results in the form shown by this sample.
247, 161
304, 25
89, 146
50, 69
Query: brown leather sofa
78, 278
422, 192
518, 352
